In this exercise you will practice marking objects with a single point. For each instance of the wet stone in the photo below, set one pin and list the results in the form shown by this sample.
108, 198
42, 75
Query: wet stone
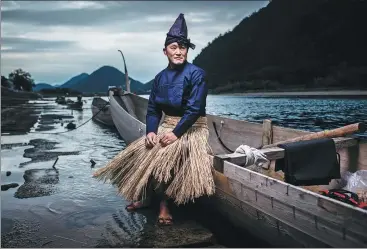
47, 121
6, 225
38, 182
40, 154
10, 146
44, 128
18, 233
181, 234
15, 118
184, 232
56, 116
8, 186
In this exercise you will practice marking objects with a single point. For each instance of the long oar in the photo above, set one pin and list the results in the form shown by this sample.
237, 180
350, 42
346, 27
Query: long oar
338, 132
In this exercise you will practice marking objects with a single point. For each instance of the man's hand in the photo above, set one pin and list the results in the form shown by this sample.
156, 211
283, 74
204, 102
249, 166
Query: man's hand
168, 138
151, 140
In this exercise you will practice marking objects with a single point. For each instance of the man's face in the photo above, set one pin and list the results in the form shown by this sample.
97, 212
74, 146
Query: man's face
176, 53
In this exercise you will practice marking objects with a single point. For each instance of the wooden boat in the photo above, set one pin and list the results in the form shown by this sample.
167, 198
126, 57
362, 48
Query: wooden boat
75, 105
261, 202
60, 100
102, 116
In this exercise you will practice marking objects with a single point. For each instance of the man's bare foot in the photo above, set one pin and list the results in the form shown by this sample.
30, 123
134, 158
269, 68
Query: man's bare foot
164, 217
136, 205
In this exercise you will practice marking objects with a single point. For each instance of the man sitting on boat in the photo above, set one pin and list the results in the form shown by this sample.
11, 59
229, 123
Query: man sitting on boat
174, 156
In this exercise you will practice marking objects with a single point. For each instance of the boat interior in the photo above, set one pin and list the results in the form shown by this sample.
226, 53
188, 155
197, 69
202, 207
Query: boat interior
225, 135
228, 134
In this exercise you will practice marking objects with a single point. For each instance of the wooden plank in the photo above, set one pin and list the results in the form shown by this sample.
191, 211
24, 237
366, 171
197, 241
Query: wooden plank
336, 223
129, 104
355, 157
141, 105
298, 220
260, 224
352, 158
275, 153
233, 133
267, 132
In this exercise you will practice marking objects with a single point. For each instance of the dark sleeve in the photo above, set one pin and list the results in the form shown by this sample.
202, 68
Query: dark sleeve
154, 113
196, 102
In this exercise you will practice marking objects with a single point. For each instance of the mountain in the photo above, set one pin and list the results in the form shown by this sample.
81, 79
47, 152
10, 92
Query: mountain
41, 86
299, 44
103, 77
74, 80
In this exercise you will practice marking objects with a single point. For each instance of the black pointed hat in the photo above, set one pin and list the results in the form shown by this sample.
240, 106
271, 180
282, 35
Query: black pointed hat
178, 33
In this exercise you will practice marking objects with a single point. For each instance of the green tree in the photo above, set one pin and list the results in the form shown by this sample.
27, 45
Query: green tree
4, 82
22, 80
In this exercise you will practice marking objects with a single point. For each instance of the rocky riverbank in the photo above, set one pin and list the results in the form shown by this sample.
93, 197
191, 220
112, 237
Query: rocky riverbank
61, 205
18, 113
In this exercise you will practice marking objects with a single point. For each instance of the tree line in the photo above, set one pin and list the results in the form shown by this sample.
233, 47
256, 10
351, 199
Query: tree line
19, 80
288, 45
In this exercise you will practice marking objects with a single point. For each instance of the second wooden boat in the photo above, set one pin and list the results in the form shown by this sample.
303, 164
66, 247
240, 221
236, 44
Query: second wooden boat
101, 111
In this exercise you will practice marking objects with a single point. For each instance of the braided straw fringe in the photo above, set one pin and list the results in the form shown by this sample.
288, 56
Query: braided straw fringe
183, 166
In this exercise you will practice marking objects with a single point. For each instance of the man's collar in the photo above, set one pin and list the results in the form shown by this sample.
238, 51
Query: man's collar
177, 67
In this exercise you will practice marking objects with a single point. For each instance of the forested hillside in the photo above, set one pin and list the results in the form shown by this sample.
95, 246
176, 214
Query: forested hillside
302, 44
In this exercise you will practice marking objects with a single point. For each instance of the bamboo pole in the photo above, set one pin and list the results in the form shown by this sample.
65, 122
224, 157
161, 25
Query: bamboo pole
338, 132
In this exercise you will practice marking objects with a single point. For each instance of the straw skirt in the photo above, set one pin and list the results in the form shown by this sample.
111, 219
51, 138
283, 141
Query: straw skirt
184, 167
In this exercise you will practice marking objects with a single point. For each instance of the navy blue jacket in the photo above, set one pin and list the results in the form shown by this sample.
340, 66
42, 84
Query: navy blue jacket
178, 92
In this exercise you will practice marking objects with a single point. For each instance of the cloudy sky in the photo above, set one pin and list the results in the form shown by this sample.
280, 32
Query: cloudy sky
55, 41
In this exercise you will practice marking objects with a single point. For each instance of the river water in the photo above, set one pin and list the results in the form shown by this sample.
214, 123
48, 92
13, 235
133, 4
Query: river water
68, 208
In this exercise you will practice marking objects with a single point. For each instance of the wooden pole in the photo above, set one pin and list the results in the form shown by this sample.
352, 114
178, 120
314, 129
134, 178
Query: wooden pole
267, 132
127, 81
338, 132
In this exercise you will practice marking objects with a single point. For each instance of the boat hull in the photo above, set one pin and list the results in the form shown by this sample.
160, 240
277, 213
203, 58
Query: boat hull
104, 117
129, 127
281, 214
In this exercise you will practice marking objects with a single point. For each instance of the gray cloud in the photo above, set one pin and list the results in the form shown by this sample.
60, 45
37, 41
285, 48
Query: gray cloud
67, 38
27, 45
127, 12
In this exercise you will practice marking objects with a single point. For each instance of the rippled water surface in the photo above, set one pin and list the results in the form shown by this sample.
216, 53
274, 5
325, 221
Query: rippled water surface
71, 209
301, 113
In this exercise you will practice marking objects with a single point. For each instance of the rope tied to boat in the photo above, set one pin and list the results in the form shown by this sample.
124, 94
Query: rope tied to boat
56, 133
253, 155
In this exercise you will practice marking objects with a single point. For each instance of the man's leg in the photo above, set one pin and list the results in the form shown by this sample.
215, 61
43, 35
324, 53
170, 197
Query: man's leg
164, 217
133, 206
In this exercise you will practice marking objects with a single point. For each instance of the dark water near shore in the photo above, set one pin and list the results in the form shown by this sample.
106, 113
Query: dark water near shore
68, 208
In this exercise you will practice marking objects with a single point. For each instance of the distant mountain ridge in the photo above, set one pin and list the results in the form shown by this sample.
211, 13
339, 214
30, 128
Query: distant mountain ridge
99, 81
74, 80
106, 76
